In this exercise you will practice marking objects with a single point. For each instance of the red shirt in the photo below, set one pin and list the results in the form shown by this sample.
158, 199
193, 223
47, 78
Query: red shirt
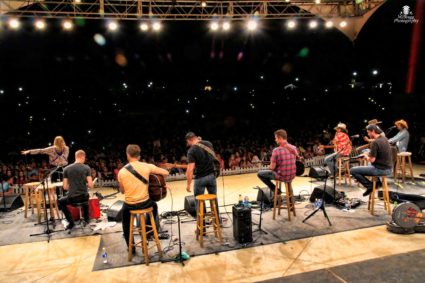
343, 143
285, 162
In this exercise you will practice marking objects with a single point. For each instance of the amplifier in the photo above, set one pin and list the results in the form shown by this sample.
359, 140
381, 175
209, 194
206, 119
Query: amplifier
242, 224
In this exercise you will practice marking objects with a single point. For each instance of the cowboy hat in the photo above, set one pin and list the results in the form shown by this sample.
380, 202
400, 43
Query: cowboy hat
374, 122
402, 123
341, 126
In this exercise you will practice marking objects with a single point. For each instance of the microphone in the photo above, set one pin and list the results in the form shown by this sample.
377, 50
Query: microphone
355, 136
390, 128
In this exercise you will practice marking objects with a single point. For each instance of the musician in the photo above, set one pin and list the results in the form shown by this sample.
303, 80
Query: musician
135, 191
58, 154
342, 147
283, 162
76, 179
401, 140
373, 122
200, 167
380, 157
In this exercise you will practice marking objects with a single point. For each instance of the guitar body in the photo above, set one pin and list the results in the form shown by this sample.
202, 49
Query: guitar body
157, 187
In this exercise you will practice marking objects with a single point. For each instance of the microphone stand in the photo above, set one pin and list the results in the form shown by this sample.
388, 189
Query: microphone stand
47, 232
322, 206
261, 212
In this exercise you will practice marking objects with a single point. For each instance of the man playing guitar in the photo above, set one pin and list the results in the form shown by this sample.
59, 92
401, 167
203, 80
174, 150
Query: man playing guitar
342, 146
136, 191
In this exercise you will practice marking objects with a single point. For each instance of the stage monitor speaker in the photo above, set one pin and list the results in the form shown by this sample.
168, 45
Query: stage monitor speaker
12, 202
329, 194
114, 212
242, 224
318, 172
190, 205
266, 194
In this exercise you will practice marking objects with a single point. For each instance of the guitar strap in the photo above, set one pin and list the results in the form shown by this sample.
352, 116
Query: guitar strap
133, 171
207, 149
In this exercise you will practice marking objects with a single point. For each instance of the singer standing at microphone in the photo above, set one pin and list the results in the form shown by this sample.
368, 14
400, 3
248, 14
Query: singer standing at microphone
58, 154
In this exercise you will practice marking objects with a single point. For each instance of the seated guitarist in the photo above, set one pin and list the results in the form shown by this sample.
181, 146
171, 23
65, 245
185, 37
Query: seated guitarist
283, 162
134, 189
342, 145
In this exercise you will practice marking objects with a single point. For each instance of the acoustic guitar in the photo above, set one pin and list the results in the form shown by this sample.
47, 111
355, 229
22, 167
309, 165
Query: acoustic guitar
157, 187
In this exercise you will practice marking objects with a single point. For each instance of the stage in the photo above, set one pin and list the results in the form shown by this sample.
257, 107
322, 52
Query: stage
76, 258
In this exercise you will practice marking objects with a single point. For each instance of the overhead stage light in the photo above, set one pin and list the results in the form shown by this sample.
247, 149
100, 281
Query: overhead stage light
252, 25
343, 24
67, 25
113, 26
291, 24
313, 24
329, 24
156, 26
14, 23
317, 1
204, 4
144, 26
214, 26
226, 26
40, 24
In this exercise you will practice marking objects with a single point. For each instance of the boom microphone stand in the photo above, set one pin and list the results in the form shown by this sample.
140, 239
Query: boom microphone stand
47, 232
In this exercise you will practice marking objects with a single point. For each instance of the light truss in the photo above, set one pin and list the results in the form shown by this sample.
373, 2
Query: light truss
187, 9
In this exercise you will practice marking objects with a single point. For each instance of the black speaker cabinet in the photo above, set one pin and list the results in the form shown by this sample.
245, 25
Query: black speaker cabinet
190, 205
12, 202
242, 224
318, 172
114, 212
266, 195
329, 194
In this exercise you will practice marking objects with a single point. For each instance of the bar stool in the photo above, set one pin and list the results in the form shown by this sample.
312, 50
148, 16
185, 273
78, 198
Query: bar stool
40, 203
386, 195
343, 165
80, 205
143, 234
277, 199
400, 167
200, 219
53, 202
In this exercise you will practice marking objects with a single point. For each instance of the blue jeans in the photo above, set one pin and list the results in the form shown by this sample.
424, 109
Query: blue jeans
330, 161
208, 182
266, 176
361, 172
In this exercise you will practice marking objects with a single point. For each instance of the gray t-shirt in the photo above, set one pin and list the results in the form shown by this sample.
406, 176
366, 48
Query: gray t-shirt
77, 174
381, 150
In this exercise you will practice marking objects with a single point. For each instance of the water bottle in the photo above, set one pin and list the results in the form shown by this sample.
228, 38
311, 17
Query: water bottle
347, 204
104, 255
316, 202
319, 203
245, 201
240, 200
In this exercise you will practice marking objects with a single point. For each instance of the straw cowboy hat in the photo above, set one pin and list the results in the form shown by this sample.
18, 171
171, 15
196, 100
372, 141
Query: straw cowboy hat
401, 123
341, 126
374, 122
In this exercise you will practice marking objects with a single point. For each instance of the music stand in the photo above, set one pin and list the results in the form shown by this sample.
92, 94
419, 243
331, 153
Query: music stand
261, 212
47, 232
322, 205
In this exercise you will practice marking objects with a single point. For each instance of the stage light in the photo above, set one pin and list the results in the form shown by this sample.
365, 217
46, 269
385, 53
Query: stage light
113, 26
226, 26
329, 24
291, 24
214, 26
156, 26
297, 79
375, 72
144, 26
204, 4
14, 23
343, 24
67, 25
252, 25
40, 24
77, 1
317, 1
287, 1
313, 24
355, 74
1, 91
20, 89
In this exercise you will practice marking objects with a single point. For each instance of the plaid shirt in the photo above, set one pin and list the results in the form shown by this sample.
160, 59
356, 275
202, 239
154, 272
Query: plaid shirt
343, 143
285, 163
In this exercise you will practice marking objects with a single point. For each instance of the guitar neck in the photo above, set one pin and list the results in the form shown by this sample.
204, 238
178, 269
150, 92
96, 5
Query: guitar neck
363, 147
173, 165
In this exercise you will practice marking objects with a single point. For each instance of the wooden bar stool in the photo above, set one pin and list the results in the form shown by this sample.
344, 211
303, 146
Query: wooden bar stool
40, 204
386, 194
343, 165
143, 234
29, 197
53, 203
277, 199
400, 167
200, 219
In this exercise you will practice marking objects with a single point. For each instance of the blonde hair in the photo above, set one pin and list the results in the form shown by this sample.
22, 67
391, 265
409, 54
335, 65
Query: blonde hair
59, 143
